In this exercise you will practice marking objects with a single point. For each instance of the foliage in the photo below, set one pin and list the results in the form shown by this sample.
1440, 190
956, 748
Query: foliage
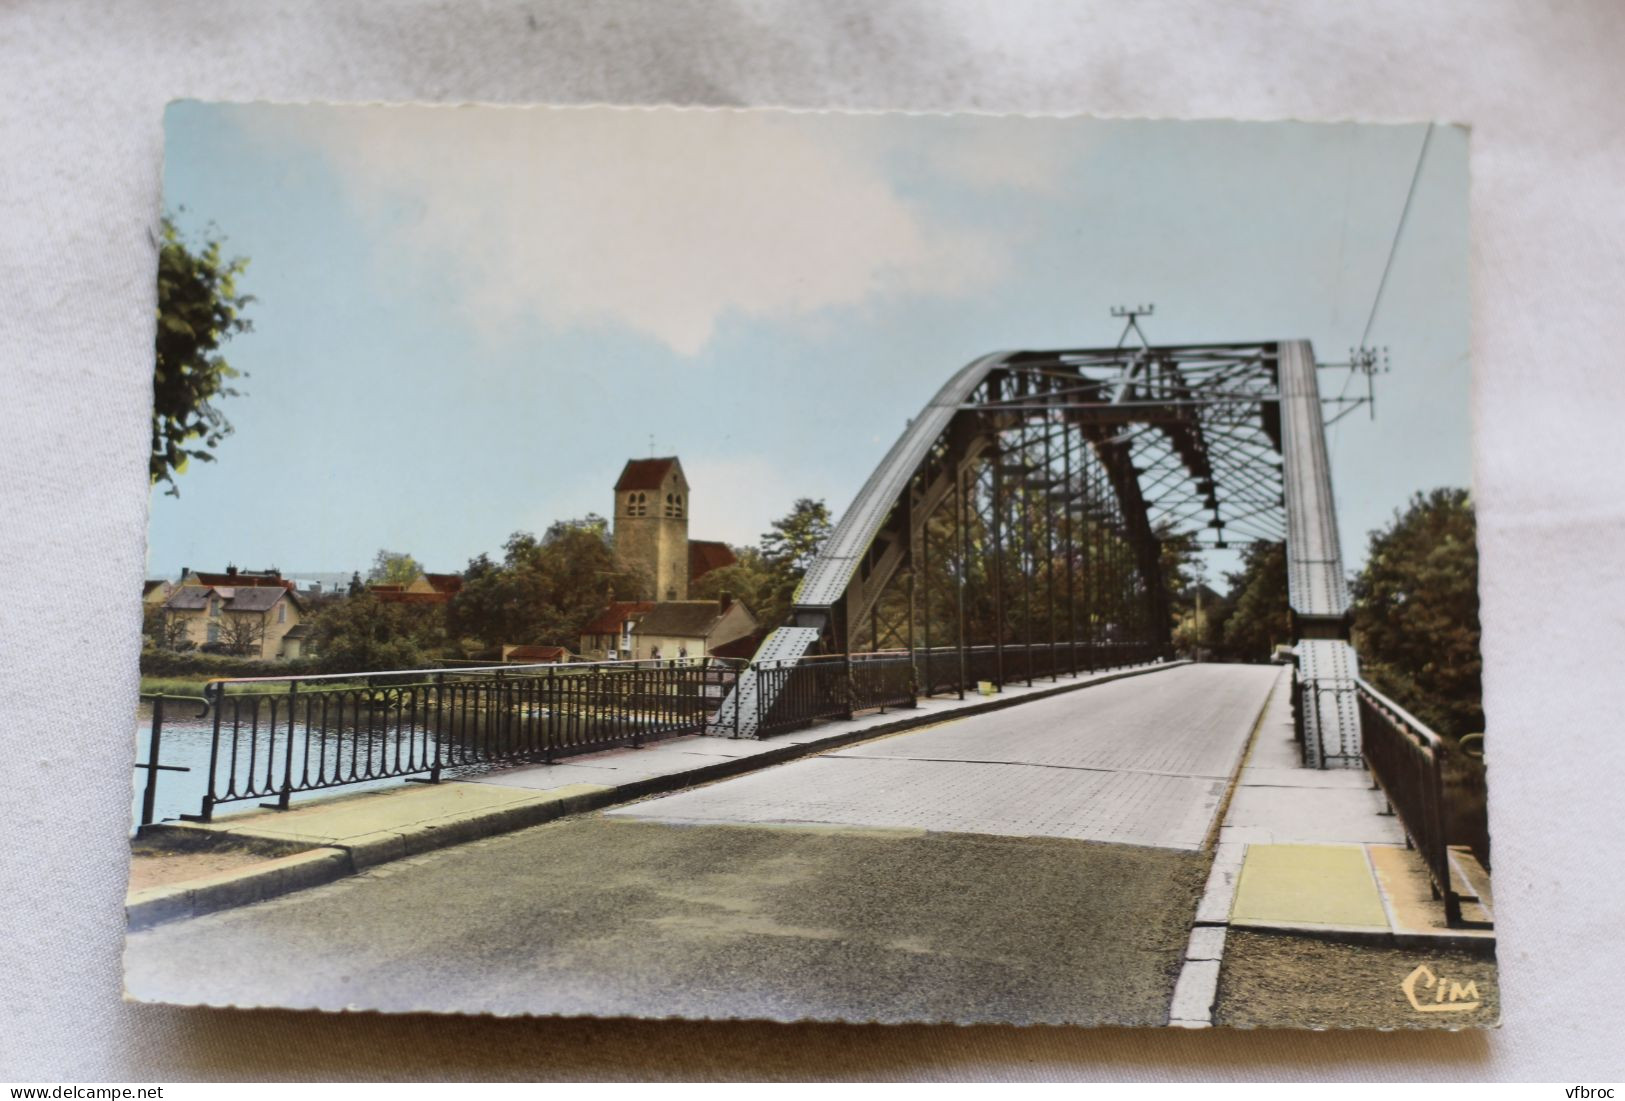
766, 576
544, 591
749, 579
242, 634
1259, 618
1416, 612
364, 634
199, 308
196, 665
164, 629
392, 568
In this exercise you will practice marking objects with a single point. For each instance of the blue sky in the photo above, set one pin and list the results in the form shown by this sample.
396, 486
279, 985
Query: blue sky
466, 319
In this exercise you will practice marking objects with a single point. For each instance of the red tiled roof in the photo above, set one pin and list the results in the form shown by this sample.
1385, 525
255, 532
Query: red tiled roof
705, 555
608, 621
445, 582
644, 473
537, 653
237, 580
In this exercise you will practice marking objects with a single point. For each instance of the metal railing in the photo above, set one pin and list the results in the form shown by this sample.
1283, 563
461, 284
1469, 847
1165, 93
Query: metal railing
274, 737
155, 742
942, 670
789, 695
1410, 763
271, 738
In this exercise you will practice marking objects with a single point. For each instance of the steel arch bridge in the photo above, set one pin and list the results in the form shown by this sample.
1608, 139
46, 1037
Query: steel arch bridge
1017, 528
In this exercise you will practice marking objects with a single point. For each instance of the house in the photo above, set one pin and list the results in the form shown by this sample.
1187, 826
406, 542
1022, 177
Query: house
690, 628
253, 619
426, 588
608, 636
234, 578
155, 592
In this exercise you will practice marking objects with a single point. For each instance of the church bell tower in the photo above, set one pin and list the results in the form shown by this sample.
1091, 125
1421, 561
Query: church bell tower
651, 527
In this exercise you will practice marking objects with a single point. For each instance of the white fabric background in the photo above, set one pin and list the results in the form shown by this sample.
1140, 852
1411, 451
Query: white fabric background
82, 86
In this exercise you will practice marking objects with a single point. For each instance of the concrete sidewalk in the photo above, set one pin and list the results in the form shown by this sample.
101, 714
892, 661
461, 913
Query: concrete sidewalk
1314, 852
317, 842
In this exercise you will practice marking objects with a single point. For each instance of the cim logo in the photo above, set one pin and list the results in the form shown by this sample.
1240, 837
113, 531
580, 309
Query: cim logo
1430, 994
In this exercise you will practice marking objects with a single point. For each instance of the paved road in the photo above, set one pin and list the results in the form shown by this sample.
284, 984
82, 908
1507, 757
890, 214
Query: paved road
974, 871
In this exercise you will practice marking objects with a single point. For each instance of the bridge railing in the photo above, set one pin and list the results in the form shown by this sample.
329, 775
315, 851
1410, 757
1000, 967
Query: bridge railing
1411, 764
941, 670
272, 738
275, 737
792, 694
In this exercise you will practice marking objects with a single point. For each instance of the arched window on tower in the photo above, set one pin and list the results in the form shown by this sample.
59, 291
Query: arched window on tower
671, 509
678, 500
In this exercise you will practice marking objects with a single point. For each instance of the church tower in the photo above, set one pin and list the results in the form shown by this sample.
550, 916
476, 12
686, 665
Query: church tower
651, 527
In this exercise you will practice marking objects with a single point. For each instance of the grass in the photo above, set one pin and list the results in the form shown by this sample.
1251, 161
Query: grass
173, 686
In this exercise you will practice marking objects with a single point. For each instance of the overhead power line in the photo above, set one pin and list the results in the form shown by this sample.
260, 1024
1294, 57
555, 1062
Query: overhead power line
1399, 229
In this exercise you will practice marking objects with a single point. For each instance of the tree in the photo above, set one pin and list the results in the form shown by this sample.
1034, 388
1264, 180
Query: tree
166, 630
364, 634
1416, 612
199, 308
544, 591
786, 551
748, 579
242, 633
1260, 618
392, 568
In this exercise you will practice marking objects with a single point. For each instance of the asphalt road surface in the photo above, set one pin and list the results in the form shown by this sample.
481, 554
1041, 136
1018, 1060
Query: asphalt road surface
1036, 864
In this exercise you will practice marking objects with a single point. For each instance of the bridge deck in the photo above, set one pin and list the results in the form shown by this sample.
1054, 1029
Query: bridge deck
1128, 762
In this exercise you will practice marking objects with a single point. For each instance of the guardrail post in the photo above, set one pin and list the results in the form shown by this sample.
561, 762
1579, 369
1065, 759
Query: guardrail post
439, 708
149, 796
287, 771
214, 695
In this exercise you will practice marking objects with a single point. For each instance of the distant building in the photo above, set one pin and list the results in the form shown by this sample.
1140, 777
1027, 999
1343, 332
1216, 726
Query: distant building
609, 636
234, 578
651, 527
155, 592
257, 612
690, 628
426, 588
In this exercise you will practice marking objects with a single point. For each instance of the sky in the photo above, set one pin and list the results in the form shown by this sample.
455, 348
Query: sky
466, 319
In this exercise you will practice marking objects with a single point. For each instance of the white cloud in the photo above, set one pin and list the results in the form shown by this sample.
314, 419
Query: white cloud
661, 220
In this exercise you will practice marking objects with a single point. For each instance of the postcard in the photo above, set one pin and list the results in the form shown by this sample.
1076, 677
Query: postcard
747, 564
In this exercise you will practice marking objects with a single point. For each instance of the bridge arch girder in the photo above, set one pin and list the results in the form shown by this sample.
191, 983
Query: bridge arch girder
1034, 474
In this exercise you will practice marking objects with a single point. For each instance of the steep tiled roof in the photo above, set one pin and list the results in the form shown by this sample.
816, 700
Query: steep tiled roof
189, 598
681, 619
235, 598
644, 473
149, 585
254, 598
445, 582
608, 621
705, 555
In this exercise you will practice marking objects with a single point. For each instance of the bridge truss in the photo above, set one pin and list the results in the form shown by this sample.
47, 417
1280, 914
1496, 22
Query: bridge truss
1021, 524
